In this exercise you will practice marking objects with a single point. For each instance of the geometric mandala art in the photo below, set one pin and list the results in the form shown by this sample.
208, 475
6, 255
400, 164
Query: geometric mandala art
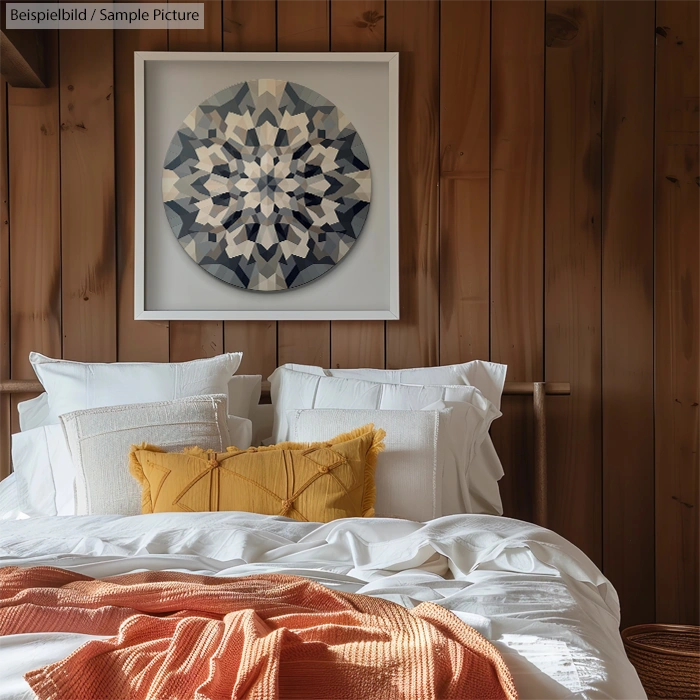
266, 185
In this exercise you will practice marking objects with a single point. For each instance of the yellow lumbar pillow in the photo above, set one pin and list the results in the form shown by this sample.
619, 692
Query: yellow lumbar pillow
316, 482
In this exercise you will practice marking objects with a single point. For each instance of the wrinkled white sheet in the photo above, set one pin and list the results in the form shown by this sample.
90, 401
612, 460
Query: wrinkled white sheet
544, 604
9, 500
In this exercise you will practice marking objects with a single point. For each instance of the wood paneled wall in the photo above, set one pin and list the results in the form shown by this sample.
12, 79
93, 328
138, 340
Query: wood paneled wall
549, 219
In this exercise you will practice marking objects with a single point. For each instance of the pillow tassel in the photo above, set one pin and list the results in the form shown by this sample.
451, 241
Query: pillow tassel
370, 490
137, 472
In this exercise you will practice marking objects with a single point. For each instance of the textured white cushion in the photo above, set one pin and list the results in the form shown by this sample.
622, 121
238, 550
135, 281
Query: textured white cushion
488, 377
44, 470
100, 438
76, 386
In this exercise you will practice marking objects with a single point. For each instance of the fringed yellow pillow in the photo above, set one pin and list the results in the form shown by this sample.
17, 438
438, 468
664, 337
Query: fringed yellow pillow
316, 482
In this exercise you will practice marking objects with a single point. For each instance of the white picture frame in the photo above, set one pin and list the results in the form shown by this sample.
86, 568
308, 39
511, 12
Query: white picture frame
151, 295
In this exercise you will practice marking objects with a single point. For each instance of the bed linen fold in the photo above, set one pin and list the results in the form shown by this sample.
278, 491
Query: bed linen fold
546, 607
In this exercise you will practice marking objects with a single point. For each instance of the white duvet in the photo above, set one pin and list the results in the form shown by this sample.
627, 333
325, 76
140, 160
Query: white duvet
545, 605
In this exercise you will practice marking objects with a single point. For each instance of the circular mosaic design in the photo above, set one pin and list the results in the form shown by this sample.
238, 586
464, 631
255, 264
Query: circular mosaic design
267, 185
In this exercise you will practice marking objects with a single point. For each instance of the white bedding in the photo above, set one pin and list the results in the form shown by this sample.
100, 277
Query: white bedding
542, 602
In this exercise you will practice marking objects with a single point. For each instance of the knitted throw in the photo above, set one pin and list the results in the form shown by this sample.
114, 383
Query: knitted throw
269, 636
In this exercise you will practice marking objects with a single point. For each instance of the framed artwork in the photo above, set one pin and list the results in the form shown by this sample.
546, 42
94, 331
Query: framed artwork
266, 186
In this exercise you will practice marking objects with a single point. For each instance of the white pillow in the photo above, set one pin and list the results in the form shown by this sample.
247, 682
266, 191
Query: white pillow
76, 386
243, 398
99, 440
244, 394
487, 377
290, 389
240, 432
45, 473
44, 470
33, 412
424, 467
298, 390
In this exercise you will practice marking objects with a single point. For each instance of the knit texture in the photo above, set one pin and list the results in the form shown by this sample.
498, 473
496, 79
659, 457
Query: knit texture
185, 636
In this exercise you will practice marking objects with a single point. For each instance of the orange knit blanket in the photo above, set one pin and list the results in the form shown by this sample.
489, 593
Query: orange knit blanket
268, 636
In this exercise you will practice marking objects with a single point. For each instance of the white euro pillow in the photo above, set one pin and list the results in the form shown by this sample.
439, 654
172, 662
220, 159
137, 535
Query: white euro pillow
243, 398
99, 440
293, 390
420, 473
75, 386
488, 377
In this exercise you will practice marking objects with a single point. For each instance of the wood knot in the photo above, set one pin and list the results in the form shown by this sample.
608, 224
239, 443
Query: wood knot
560, 31
368, 20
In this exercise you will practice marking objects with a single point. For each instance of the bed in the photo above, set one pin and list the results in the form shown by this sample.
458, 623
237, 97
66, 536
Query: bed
547, 608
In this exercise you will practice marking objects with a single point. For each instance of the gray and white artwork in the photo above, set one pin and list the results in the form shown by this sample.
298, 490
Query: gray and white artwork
267, 185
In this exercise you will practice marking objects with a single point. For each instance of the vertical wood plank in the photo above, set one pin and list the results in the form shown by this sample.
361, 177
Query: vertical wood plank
465, 73
35, 237
677, 316
208, 39
573, 97
251, 26
413, 28
190, 340
5, 346
357, 25
139, 341
628, 296
87, 195
517, 126
303, 25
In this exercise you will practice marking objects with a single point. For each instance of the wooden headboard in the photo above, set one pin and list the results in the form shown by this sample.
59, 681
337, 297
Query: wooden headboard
538, 391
